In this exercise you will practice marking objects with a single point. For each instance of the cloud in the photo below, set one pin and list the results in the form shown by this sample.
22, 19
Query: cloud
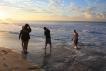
27, 5
92, 9
56, 7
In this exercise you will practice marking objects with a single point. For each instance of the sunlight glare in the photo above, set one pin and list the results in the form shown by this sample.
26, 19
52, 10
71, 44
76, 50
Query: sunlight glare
3, 15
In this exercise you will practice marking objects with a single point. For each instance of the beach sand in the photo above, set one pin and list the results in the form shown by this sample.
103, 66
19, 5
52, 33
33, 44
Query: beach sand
12, 61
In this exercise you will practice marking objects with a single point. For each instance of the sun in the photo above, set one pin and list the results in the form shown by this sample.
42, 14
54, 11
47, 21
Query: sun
3, 15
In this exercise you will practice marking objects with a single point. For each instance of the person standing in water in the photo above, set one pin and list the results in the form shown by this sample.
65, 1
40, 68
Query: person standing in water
75, 39
47, 38
24, 35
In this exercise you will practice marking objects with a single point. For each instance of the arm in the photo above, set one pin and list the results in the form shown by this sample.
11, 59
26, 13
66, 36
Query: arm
29, 29
73, 37
44, 33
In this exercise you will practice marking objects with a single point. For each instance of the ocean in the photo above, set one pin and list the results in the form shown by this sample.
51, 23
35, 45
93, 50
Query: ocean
91, 35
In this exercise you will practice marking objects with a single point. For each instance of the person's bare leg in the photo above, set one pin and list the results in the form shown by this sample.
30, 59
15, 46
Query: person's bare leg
73, 44
22, 46
50, 48
45, 45
76, 45
26, 46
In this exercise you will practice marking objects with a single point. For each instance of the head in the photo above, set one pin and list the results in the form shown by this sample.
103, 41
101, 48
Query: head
26, 25
74, 31
45, 28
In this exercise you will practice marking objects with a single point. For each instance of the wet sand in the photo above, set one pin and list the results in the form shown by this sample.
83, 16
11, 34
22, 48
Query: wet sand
70, 59
61, 59
12, 61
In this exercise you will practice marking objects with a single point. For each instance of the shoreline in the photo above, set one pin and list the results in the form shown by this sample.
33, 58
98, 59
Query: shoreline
61, 59
13, 61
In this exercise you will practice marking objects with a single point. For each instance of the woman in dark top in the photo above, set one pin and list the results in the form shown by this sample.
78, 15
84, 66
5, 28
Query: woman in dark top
24, 35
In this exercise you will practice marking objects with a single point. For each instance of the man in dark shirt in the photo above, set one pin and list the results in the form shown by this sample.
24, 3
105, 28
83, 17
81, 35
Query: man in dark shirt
47, 37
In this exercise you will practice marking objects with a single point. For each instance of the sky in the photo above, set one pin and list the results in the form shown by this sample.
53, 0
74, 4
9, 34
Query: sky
53, 10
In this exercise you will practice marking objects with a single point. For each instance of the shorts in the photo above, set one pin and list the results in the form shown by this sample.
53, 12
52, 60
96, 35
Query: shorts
76, 42
48, 40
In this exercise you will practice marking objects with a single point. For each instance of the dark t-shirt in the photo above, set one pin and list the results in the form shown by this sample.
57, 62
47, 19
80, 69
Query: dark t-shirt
25, 35
47, 33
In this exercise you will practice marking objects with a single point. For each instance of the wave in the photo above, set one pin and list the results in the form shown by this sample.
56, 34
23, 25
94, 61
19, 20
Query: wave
95, 32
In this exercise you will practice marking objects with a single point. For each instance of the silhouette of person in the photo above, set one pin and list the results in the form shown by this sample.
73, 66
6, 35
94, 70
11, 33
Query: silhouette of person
24, 35
75, 39
47, 38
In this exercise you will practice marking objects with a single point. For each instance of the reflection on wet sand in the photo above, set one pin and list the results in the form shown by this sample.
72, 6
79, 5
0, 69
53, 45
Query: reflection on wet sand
46, 59
24, 55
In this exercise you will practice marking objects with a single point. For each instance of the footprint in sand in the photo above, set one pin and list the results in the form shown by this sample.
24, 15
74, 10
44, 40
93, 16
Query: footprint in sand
33, 68
5, 65
4, 52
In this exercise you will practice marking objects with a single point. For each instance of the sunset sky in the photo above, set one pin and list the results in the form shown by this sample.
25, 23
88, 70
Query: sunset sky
56, 10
